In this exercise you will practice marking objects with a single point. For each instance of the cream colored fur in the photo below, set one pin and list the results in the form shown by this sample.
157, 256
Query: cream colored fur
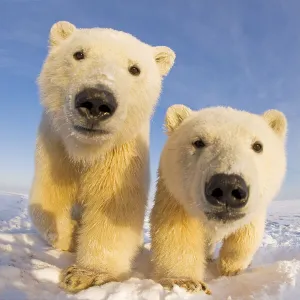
89, 193
183, 237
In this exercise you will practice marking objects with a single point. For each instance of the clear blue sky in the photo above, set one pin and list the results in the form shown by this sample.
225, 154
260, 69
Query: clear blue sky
244, 54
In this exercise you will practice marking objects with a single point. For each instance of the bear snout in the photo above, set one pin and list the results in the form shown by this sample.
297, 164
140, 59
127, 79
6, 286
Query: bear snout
227, 190
95, 104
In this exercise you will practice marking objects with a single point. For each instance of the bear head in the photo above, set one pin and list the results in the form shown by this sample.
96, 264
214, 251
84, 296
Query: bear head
99, 86
223, 163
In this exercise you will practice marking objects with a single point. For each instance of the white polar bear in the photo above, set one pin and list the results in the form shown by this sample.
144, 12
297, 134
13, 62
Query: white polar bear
219, 170
99, 88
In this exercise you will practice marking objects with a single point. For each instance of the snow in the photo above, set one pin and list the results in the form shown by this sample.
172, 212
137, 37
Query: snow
29, 268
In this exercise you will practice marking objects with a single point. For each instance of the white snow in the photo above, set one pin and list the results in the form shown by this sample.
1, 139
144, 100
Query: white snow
29, 268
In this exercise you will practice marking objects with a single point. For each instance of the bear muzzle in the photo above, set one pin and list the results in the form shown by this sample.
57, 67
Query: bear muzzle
227, 191
95, 105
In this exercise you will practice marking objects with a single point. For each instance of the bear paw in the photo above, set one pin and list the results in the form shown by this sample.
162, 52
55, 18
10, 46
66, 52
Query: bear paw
64, 244
230, 268
64, 239
190, 285
74, 279
230, 272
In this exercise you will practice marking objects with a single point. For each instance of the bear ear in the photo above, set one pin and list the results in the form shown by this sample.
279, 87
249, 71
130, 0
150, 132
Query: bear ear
165, 58
277, 121
175, 115
60, 31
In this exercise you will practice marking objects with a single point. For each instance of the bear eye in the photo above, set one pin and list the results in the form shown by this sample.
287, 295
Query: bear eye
134, 70
199, 144
257, 147
78, 55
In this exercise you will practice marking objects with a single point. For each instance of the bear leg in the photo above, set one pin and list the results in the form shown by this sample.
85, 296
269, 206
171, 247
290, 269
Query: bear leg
56, 227
178, 245
109, 238
239, 248
52, 195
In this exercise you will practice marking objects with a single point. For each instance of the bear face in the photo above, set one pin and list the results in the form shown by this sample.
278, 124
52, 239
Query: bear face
223, 163
99, 86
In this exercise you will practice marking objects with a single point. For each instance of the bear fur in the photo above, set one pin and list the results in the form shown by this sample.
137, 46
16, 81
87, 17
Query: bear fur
94, 181
185, 227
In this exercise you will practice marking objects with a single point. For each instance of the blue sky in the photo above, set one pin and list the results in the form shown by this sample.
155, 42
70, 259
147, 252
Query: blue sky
244, 54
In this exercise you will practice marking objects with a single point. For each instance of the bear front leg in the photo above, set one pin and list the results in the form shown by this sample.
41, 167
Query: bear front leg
178, 253
52, 195
50, 213
177, 247
108, 241
239, 248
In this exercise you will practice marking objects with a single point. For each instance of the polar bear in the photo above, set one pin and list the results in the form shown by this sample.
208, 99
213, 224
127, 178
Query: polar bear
99, 88
219, 170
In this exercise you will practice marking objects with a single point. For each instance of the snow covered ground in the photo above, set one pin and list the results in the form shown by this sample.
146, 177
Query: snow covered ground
29, 269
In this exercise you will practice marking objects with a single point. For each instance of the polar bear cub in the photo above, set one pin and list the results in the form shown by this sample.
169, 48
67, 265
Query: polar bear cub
98, 88
219, 170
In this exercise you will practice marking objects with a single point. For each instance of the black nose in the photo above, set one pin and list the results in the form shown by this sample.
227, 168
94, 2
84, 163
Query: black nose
227, 190
95, 103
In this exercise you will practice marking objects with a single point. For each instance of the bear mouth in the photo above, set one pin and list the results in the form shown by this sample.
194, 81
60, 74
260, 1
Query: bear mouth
225, 216
89, 131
